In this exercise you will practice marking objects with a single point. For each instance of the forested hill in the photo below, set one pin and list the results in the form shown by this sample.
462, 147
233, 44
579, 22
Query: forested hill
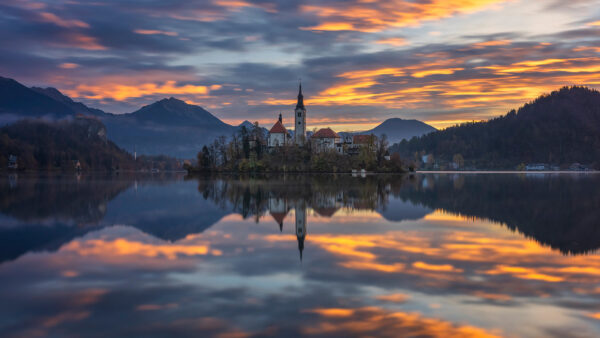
558, 129
60, 145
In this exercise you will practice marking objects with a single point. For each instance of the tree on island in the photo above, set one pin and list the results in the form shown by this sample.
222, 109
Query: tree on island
247, 152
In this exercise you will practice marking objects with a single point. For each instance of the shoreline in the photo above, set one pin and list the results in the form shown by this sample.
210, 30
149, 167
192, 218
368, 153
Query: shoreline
506, 172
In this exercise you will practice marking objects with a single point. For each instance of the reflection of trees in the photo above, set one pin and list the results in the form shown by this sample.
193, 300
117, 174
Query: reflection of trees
561, 211
82, 201
250, 196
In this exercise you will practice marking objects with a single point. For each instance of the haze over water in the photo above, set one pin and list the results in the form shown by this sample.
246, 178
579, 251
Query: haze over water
422, 255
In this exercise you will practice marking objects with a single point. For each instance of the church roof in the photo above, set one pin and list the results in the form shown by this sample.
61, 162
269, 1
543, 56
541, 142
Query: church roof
325, 133
279, 216
300, 103
278, 128
326, 212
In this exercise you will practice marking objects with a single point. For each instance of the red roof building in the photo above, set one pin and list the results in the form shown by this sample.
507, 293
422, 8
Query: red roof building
278, 128
325, 133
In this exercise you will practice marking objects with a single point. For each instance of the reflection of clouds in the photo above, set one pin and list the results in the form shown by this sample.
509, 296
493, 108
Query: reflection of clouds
454, 260
120, 247
361, 275
451, 262
375, 321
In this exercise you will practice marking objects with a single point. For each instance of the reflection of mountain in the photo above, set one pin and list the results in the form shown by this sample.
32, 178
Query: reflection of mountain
398, 210
52, 211
557, 210
170, 212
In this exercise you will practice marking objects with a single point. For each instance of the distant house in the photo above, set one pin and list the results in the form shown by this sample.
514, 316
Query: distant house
361, 141
278, 135
577, 167
325, 139
427, 159
12, 162
536, 167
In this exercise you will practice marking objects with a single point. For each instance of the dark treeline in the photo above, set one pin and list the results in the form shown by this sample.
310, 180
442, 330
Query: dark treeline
245, 151
69, 145
558, 129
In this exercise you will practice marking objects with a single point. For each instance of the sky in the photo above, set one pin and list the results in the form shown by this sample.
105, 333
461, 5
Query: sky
360, 61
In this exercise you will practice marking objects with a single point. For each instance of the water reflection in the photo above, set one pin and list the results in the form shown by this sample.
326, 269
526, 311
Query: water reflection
427, 255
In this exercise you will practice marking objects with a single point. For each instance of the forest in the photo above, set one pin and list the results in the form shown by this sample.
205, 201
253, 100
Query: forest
78, 144
558, 129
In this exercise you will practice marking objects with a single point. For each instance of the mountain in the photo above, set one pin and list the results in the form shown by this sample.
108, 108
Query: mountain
397, 129
76, 107
246, 124
18, 101
174, 112
168, 126
559, 129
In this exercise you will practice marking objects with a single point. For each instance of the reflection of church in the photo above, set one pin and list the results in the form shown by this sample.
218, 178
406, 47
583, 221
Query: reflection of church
324, 206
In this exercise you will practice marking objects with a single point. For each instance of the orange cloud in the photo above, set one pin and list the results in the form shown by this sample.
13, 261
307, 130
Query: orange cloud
394, 298
492, 43
371, 16
52, 18
434, 267
155, 32
393, 41
68, 65
446, 71
78, 40
331, 26
122, 92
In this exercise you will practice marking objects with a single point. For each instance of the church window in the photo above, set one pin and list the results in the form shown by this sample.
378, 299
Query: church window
299, 114
299, 122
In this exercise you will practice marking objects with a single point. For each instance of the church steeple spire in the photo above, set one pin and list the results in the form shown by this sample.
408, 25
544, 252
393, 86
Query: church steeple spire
300, 103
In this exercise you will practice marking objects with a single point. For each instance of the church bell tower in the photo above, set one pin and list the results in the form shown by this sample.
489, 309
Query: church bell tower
300, 119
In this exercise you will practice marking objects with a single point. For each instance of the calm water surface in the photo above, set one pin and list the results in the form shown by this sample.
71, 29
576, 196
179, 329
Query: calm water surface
427, 255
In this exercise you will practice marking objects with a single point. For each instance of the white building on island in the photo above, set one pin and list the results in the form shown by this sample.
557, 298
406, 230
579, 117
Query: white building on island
278, 135
324, 140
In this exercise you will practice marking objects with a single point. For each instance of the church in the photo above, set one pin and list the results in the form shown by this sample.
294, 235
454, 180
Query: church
279, 135
323, 140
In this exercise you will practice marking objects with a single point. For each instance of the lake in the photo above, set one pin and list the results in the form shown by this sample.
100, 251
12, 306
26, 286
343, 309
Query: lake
300, 255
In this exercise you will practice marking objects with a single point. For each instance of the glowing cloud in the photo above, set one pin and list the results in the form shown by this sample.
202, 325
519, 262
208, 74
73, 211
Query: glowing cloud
371, 16
155, 32
53, 18
121, 92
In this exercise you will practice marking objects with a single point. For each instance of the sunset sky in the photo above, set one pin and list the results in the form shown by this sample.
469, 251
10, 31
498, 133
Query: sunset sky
361, 61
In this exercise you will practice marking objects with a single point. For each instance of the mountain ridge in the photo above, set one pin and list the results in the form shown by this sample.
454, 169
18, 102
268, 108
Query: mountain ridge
168, 126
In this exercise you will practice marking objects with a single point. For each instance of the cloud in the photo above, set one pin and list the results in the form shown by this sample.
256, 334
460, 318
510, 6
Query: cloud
154, 32
377, 16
